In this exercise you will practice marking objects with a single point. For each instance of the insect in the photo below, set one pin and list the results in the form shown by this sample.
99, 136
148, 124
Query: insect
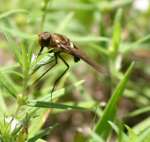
58, 44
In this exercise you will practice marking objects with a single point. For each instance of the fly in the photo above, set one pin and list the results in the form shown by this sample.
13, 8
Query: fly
57, 43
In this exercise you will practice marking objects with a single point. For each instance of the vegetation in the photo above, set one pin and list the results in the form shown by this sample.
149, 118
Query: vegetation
86, 105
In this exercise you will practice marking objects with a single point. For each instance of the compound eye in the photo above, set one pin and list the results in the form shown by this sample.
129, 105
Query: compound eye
44, 39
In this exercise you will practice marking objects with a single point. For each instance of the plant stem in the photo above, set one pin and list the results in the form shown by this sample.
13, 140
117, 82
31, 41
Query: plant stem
44, 9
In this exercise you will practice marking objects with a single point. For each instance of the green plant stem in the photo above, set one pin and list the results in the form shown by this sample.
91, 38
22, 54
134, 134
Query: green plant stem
44, 9
25, 83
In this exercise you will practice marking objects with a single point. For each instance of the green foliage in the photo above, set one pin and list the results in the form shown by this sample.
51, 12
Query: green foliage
102, 127
113, 33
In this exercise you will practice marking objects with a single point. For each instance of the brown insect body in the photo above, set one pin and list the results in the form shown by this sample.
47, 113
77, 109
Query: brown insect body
60, 43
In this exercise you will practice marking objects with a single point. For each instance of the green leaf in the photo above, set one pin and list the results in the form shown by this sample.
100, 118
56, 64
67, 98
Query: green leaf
3, 106
41, 140
12, 12
102, 127
116, 34
132, 135
144, 136
65, 22
121, 136
16, 33
30, 50
43, 104
89, 39
25, 59
7, 83
95, 137
99, 49
142, 126
14, 47
41, 134
135, 45
139, 111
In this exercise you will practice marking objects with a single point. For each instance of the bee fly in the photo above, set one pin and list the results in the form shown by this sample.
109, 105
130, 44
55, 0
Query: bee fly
61, 44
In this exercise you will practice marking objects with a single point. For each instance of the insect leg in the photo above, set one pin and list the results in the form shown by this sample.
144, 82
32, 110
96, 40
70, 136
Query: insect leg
43, 63
47, 69
58, 79
42, 47
38, 67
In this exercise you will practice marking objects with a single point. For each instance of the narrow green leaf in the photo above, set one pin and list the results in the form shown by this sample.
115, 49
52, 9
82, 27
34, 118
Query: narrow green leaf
60, 92
41, 140
14, 47
140, 127
25, 60
121, 136
116, 34
131, 134
42, 104
135, 45
41, 134
18, 74
3, 106
89, 39
102, 127
10, 69
95, 137
31, 49
144, 136
12, 12
99, 49
7, 83
142, 40
17, 33
65, 22
100, 6
112, 5
114, 126
139, 111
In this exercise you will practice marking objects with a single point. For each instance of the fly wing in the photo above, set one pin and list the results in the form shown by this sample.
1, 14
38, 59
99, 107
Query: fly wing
61, 43
67, 46
80, 54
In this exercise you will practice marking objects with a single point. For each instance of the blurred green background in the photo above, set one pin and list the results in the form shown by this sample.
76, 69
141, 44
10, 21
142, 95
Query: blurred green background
114, 33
